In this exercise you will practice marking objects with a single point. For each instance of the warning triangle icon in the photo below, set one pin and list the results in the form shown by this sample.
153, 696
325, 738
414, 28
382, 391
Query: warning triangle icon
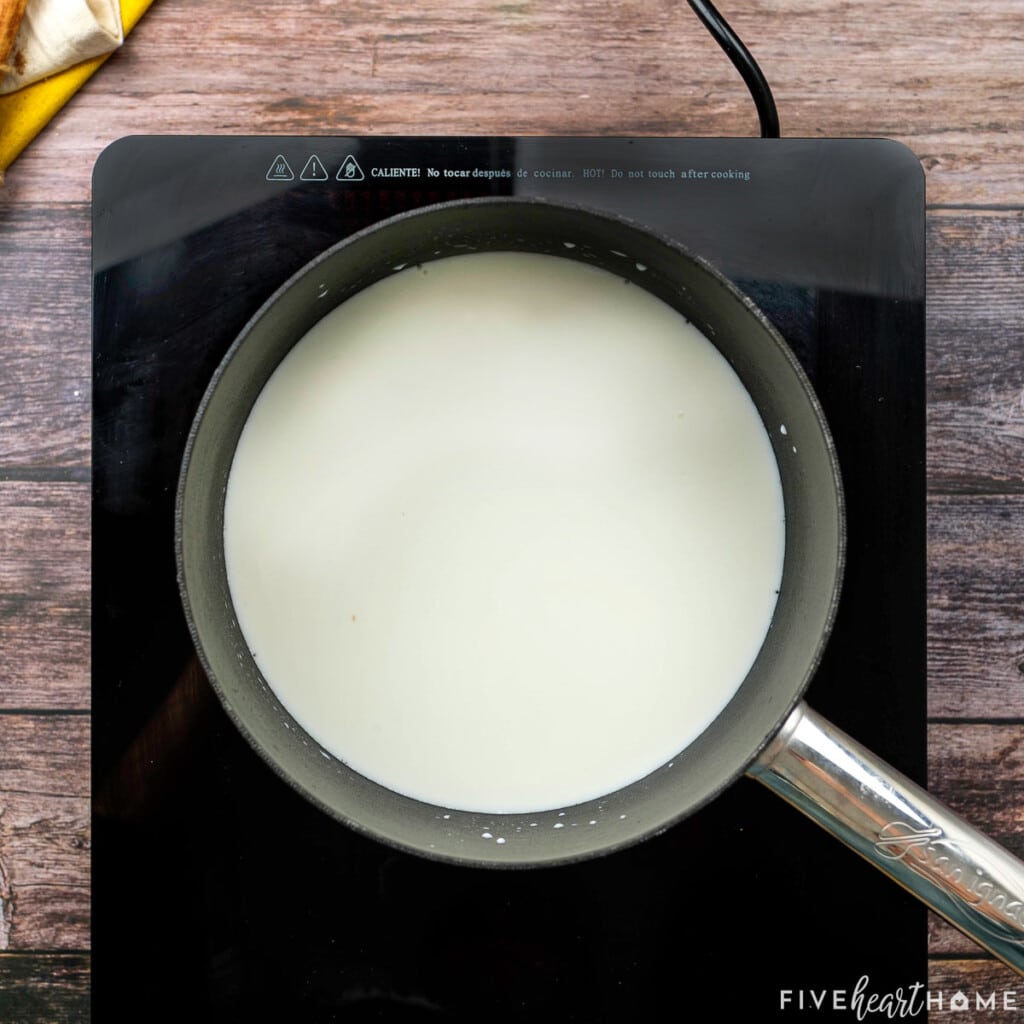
350, 170
314, 170
279, 170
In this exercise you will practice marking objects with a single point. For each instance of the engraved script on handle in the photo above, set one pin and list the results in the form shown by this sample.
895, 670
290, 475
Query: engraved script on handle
891, 821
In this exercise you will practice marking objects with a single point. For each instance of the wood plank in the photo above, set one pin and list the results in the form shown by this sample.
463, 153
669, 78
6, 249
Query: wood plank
975, 321
938, 78
978, 771
44, 832
976, 606
978, 981
44, 987
44, 595
947, 942
45, 358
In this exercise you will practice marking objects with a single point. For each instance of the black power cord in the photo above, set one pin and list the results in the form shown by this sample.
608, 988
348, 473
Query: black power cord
744, 64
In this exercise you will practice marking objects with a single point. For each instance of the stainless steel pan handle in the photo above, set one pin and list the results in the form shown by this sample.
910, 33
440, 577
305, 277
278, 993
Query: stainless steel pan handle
961, 874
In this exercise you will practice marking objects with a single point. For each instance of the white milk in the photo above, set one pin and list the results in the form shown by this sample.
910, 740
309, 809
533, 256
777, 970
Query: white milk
504, 532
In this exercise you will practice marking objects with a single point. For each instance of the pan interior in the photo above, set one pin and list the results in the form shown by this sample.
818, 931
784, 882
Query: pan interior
504, 532
813, 534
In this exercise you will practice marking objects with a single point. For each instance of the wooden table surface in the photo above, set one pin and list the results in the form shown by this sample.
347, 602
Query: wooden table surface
941, 76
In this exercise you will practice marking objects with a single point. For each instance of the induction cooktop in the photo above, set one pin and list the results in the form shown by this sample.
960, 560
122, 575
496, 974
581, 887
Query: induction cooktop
219, 892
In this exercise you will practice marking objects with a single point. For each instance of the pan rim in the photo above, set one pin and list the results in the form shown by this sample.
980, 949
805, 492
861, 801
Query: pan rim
524, 203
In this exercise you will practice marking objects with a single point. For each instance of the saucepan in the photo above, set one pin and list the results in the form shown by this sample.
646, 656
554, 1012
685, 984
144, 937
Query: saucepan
765, 731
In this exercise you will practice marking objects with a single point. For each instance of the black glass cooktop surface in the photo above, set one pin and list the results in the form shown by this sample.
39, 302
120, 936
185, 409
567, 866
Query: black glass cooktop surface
219, 892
